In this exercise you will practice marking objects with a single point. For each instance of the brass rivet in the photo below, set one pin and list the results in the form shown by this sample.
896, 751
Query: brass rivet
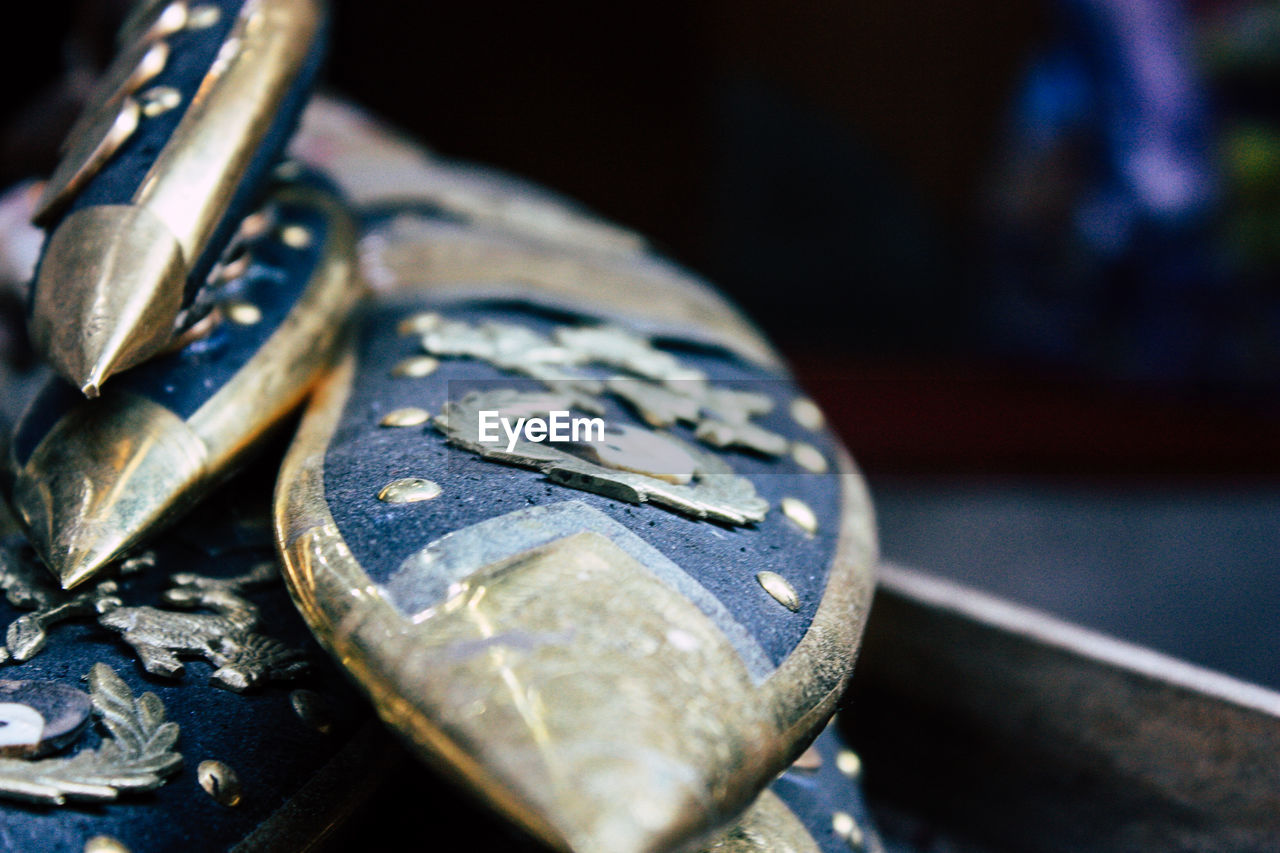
418, 324
255, 225
242, 313
168, 22
289, 170
219, 781
809, 457
104, 844
809, 760
158, 100
409, 490
782, 591
847, 828
848, 763
311, 709
138, 563
202, 17
411, 416
415, 367
806, 413
295, 236
233, 269
800, 514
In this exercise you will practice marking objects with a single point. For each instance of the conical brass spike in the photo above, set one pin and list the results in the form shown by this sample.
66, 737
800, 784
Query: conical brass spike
109, 288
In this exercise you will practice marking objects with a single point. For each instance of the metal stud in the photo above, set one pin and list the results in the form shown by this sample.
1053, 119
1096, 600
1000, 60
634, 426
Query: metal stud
848, 763
781, 590
295, 236
220, 782
409, 490
843, 824
242, 313
809, 457
806, 413
202, 17
415, 367
799, 513
255, 225
312, 709
411, 416
104, 844
418, 324
159, 100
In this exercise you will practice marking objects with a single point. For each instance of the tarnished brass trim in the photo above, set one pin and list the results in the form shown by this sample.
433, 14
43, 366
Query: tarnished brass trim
767, 827
87, 492
284, 369
475, 261
198, 171
95, 289
352, 616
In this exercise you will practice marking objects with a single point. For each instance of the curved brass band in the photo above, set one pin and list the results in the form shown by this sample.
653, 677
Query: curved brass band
753, 734
478, 261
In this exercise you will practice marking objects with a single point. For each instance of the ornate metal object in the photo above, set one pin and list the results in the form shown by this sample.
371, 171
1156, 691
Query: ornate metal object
137, 756
150, 178
225, 633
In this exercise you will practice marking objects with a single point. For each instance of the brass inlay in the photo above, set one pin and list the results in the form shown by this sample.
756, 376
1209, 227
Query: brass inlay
295, 236
418, 324
767, 827
159, 100
806, 413
848, 762
409, 490
104, 844
242, 313
405, 417
415, 367
809, 457
780, 588
220, 782
800, 514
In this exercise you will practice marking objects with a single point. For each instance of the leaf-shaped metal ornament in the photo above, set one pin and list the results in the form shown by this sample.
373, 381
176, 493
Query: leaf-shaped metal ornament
138, 755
